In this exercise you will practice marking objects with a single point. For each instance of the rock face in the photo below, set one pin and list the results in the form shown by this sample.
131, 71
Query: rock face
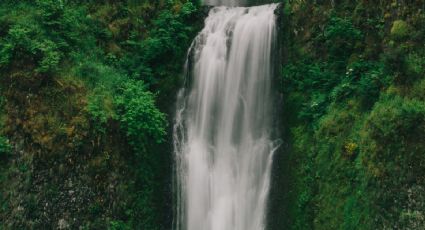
59, 166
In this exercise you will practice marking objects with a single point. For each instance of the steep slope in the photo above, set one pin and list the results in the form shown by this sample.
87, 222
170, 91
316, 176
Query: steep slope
83, 143
352, 85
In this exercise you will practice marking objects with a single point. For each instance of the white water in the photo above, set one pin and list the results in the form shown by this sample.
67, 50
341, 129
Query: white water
222, 134
224, 2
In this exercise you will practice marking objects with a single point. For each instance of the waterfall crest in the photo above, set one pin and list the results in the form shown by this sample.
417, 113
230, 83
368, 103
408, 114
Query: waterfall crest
224, 2
222, 133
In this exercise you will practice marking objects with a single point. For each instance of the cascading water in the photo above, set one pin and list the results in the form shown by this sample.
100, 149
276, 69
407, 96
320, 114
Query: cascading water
224, 2
222, 135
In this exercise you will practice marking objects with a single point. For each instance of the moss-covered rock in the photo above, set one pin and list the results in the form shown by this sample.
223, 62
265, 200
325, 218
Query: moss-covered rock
400, 30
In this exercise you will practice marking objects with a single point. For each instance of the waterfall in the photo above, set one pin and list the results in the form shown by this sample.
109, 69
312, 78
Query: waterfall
222, 133
224, 2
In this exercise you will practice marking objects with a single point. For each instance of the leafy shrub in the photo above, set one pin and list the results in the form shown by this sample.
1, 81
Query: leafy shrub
415, 66
160, 55
396, 128
335, 123
140, 118
315, 108
66, 25
308, 76
400, 30
341, 37
312, 79
46, 35
96, 74
364, 80
396, 120
100, 108
406, 66
24, 43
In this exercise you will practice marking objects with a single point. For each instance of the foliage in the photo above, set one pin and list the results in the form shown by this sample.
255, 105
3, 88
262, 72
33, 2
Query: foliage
20, 44
350, 149
99, 68
400, 30
141, 120
340, 37
396, 124
393, 154
5, 147
363, 79
148, 59
44, 37
118, 225
100, 108
353, 99
353, 104
313, 79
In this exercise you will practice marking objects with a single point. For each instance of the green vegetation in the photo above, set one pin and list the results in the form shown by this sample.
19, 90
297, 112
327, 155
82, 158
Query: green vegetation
354, 119
141, 120
4, 146
400, 29
86, 87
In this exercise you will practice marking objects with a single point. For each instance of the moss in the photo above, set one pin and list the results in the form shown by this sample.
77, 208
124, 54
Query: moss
60, 93
350, 150
5, 147
400, 30
360, 154
418, 90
